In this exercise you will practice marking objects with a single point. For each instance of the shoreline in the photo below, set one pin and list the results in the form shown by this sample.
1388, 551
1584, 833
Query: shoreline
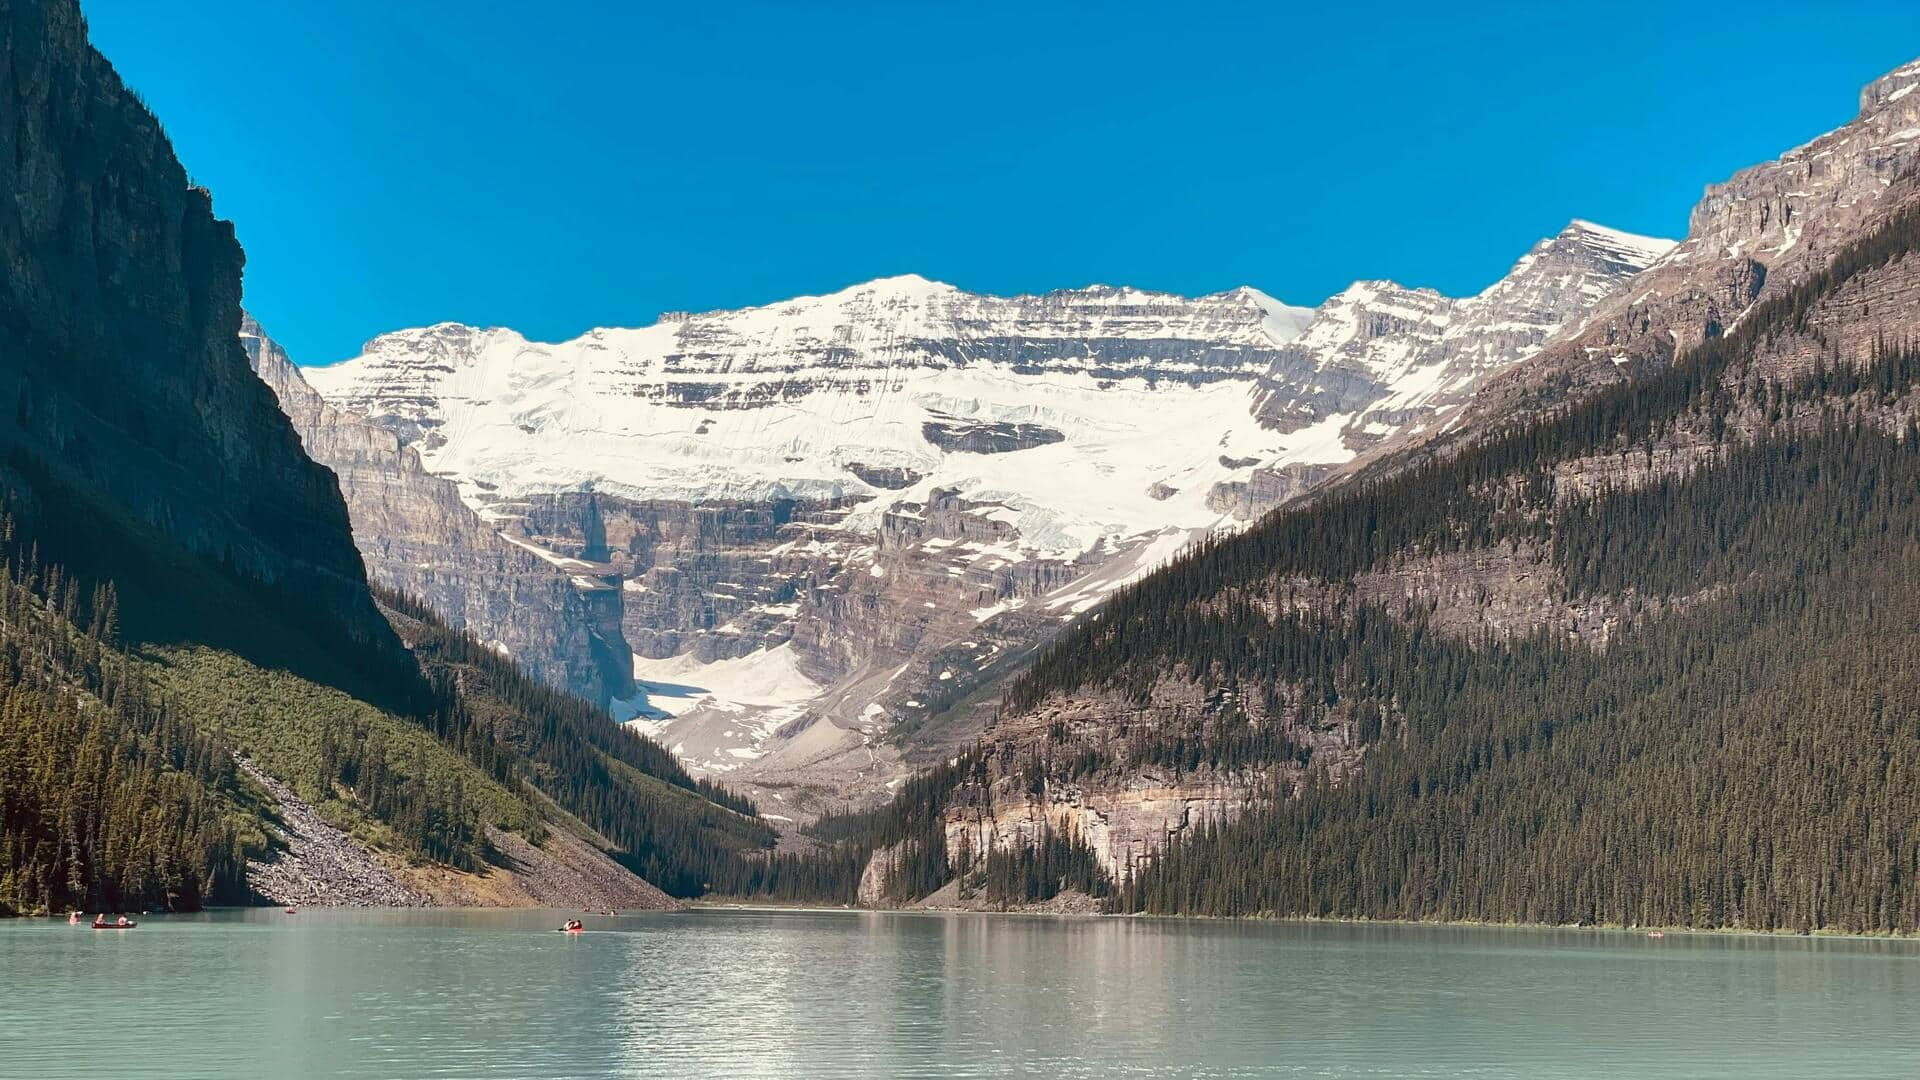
1911, 937
788, 908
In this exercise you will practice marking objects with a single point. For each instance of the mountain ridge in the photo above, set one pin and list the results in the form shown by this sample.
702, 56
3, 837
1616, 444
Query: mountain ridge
132, 389
986, 468
1641, 616
1759, 232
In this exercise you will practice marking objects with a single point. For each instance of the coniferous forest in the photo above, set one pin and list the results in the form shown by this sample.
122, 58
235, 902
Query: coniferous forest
119, 789
1742, 760
680, 833
1740, 751
108, 800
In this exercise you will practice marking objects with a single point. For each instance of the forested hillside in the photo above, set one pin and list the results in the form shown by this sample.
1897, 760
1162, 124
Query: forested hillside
675, 831
1721, 399
1749, 763
1704, 713
108, 799
118, 787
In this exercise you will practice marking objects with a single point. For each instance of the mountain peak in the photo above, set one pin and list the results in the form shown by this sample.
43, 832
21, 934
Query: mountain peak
1645, 249
1282, 321
903, 284
1582, 249
1889, 88
439, 337
1571, 270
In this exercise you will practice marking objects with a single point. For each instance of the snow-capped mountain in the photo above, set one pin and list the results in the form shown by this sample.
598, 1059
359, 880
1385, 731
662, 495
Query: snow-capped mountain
1380, 359
899, 385
1385, 353
890, 493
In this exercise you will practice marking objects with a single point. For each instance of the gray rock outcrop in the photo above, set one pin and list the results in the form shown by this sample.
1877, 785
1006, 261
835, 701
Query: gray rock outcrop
1753, 236
317, 864
416, 535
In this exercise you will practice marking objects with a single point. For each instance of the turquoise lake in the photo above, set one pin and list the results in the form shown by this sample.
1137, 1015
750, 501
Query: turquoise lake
830, 994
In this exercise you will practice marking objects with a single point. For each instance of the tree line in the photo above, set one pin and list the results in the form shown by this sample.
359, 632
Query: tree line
1744, 755
108, 801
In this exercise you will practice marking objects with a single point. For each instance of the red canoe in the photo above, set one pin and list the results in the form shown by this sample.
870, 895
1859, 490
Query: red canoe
115, 926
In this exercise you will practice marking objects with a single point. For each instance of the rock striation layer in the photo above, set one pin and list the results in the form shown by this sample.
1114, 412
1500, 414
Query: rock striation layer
416, 535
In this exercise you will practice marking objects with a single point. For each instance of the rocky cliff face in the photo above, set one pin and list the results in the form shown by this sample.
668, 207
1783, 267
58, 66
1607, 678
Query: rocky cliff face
1380, 360
120, 360
416, 535
714, 580
1125, 824
1759, 233
888, 496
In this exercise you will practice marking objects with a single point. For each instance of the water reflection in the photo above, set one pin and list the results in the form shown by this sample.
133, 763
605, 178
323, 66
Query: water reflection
967, 995
786, 994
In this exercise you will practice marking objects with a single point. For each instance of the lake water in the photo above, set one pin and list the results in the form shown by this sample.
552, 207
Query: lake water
831, 994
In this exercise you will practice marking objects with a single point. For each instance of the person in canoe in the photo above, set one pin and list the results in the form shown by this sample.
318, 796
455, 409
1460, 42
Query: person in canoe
573, 926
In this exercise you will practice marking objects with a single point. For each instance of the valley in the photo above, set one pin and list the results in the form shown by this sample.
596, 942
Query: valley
650, 561
1401, 606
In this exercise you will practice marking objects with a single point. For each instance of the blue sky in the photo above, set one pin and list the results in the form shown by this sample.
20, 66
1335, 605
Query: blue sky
396, 164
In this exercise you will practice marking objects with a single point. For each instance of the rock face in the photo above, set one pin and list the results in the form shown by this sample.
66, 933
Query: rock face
715, 580
888, 496
119, 356
1759, 233
417, 536
962, 437
1380, 360
1124, 825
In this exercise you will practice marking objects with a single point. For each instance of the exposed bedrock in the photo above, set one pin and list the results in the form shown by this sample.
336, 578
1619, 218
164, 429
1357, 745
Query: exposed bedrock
415, 534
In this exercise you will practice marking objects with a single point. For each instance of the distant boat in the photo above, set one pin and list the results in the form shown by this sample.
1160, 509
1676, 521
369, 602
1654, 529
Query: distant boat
1656, 933
102, 925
